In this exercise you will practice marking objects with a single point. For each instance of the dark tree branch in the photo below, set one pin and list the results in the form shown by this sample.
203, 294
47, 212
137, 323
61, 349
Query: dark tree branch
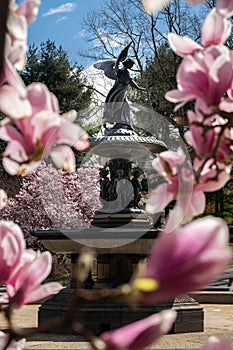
3, 18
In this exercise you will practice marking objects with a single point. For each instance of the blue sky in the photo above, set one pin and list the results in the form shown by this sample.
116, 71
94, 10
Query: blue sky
60, 21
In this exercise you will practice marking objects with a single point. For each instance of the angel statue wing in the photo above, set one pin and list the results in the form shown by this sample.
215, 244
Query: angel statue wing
108, 67
122, 56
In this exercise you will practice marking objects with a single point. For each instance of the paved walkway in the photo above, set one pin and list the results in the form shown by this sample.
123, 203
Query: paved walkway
218, 321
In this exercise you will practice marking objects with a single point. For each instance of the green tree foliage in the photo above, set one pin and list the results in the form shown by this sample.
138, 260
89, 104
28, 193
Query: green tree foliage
160, 75
50, 65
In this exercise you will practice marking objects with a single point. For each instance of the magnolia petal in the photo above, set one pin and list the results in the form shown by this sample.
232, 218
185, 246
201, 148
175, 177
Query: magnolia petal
14, 345
71, 134
63, 157
225, 8
209, 185
10, 248
45, 126
180, 96
17, 25
17, 55
185, 209
168, 161
12, 245
221, 74
3, 198
13, 79
215, 30
8, 132
140, 334
226, 104
187, 259
35, 272
151, 6
43, 291
215, 343
21, 108
182, 46
11, 167
42, 99
159, 198
29, 9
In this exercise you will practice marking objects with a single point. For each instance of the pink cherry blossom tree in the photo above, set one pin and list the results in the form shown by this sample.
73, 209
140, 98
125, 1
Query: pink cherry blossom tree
74, 208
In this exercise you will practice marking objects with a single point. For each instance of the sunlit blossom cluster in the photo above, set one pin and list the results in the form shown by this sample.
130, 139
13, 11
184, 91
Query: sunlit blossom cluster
41, 204
33, 126
204, 76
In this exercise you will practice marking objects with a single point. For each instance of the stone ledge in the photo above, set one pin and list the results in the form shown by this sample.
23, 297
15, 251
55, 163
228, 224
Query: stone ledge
215, 297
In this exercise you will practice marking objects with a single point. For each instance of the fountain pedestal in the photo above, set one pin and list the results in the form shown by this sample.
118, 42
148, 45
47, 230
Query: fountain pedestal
107, 315
121, 235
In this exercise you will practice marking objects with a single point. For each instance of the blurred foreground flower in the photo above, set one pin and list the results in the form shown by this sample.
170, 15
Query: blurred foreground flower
14, 345
22, 270
19, 18
186, 260
224, 7
140, 334
151, 6
214, 343
12, 245
3, 198
36, 136
24, 285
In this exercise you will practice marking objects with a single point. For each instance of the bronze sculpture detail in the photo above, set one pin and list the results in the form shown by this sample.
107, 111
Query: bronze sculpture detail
116, 107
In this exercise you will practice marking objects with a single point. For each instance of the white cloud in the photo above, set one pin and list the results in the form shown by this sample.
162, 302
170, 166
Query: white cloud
113, 40
81, 34
68, 7
61, 19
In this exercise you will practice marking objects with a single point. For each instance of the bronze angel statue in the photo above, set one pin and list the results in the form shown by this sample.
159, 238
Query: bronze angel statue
116, 107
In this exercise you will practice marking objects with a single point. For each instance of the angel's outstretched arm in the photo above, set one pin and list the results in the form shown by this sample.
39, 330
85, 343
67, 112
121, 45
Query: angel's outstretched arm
136, 86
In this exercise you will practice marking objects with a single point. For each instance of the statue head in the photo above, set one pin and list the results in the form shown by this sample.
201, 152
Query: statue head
128, 63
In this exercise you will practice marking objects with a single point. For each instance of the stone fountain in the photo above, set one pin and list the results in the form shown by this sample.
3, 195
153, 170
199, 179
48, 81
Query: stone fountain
120, 231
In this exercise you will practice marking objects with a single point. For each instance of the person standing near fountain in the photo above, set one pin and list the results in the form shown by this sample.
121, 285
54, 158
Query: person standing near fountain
116, 107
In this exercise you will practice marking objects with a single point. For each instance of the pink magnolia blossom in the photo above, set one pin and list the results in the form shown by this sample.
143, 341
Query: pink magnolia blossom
215, 31
10, 79
209, 136
138, 335
3, 199
214, 343
207, 75
25, 286
19, 17
12, 87
14, 345
151, 6
225, 8
187, 259
12, 246
36, 135
181, 185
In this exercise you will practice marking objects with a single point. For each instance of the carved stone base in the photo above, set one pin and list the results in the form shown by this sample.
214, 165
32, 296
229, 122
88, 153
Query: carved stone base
104, 316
